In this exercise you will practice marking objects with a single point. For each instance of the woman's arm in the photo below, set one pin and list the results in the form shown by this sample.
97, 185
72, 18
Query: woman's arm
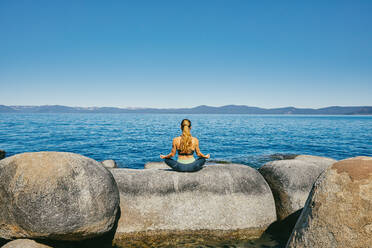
173, 151
198, 152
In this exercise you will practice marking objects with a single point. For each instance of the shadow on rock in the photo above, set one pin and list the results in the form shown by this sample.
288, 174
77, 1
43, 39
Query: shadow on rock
281, 230
3, 242
104, 241
2, 155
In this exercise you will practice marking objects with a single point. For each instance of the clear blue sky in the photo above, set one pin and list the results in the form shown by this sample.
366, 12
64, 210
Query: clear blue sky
186, 53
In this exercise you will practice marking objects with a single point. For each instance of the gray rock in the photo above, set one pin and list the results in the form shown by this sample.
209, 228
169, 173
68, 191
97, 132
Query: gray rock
219, 199
281, 156
338, 211
55, 195
2, 154
322, 162
291, 181
24, 243
109, 164
156, 165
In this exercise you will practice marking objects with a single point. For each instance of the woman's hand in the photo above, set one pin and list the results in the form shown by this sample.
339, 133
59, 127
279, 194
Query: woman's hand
207, 156
162, 156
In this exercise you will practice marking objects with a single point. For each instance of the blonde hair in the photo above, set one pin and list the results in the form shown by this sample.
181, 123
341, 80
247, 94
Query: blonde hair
186, 138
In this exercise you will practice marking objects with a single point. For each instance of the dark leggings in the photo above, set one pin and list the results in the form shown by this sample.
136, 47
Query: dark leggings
191, 167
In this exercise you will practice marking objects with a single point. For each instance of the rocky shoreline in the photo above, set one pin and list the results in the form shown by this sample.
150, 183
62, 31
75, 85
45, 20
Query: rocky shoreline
57, 199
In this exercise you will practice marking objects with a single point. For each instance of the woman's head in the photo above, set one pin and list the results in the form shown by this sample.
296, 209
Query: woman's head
185, 123
186, 138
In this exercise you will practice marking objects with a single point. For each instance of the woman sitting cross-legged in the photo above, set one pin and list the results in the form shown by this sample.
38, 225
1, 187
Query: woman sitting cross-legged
185, 145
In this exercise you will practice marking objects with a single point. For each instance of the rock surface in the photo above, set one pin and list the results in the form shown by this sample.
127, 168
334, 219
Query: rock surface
291, 181
24, 243
109, 164
218, 199
2, 154
338, 212
156, 165
56, 195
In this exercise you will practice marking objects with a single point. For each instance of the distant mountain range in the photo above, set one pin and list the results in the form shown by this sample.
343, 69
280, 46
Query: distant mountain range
203, 109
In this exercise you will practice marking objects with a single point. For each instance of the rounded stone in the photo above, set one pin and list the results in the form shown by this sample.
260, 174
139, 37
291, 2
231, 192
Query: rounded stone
109, 164
223, 199
291, 181
56, 195
338, 211
24, 243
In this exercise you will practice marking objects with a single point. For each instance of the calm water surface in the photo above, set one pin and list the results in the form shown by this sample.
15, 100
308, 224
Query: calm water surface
134, 139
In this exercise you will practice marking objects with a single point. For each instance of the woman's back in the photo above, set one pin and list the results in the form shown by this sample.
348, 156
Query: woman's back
185, 145
192, 147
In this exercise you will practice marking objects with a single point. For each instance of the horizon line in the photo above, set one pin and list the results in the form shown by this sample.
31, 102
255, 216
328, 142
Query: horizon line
203, 105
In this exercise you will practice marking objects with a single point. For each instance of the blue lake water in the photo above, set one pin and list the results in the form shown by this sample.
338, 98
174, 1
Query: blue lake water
134, 139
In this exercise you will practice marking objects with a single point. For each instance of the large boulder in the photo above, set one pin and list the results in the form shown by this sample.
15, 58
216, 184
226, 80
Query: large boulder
56, 195
222, 200
338, 212
291, 181
24, 243
109, 164
2, 154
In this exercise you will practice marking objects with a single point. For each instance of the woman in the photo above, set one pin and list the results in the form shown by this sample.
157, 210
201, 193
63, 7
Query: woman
185, 145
